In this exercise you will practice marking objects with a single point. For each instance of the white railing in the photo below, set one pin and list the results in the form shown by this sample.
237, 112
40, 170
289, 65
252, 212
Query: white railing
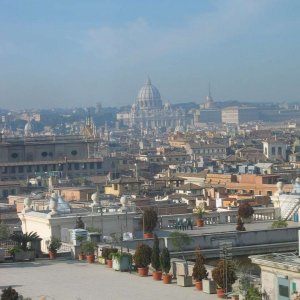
220, 217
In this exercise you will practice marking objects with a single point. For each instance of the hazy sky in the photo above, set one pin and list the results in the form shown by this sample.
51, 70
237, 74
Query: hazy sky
66, 53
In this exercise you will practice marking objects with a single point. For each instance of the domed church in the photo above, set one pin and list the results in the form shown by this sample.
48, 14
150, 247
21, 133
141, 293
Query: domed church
148, 111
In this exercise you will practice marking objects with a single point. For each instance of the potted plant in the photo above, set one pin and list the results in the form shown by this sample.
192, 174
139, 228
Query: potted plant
246, 211
149, 222
224, 271
240, 225
199, 213
81, 255
199, 270
89, 247
155, 262
105, 255
121, 261
22, 251
53, 246
109, 261
179, 240
165, 262
142, 258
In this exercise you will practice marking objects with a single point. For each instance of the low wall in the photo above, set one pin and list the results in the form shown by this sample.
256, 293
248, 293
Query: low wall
243, 243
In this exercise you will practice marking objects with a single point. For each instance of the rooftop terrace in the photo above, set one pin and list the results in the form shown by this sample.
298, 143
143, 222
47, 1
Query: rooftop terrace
73, 280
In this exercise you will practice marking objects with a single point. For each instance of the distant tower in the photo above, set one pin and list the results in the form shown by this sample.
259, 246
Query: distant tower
209, 103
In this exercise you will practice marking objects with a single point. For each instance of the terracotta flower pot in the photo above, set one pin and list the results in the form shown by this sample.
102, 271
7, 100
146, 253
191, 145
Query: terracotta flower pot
198, 285
52, 255
167, 278
90, 258
148, 235
200, 223
220, 293
109, 263
143, 272
157, 275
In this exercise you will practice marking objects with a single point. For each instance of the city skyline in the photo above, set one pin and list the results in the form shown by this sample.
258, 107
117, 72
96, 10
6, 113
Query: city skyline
70, 53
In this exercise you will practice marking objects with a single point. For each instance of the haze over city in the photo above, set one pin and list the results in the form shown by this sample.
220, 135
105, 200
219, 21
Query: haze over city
77, 53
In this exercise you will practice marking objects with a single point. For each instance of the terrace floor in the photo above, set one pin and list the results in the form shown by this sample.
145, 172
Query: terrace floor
74, 280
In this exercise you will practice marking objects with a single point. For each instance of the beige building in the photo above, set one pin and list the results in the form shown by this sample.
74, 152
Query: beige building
237, 115
123, 186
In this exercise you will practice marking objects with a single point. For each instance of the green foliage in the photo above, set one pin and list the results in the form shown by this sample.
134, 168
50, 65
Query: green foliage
14, 250
107, 251
150, 220
279, 224
218, 274
245, 210
155, 262
88, 247
4, 232
253, 293
165, 260
120, 255
199, 270
9, 294
23, 239
53, 244
92, 229
179, 240
142, 256
200, 211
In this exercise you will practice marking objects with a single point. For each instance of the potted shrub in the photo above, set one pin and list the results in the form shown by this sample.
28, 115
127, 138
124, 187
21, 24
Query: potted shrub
165, 262
53, 246
88, 248
22, 251
142, 258
155, 262
199, 270
121, 261
109, 261
105, 255
199, 213
149, 222
240, 225
81, 255
179, 240
223, 271
245, 211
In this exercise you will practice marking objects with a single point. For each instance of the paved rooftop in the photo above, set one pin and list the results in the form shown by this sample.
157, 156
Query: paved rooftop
74, 280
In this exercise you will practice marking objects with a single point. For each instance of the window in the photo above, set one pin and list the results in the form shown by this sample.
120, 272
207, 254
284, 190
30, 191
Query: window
28, 169
92, 165
99, 165
13, 170
14, 155
76, 166
20, 169
273, 151
44, 154
279, 151
283, 290
115, 187
74, 152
